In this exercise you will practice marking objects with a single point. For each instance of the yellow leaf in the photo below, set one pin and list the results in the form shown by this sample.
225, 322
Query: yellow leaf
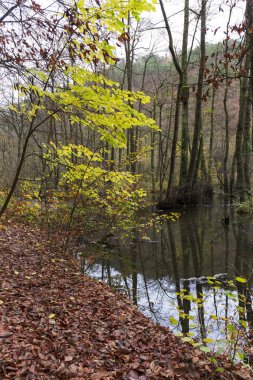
51, 316
208, 340
1, 302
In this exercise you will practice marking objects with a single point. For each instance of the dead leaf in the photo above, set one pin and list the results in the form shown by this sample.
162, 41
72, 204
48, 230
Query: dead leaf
100, 375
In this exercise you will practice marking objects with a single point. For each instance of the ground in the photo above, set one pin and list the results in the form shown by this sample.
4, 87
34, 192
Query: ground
59, 324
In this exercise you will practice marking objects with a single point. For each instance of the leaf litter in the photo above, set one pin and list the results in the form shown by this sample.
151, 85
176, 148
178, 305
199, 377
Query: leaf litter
59, 324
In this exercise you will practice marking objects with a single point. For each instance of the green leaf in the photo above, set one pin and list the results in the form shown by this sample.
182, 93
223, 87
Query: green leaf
243, 323
186, 339
173, 321
208, 340
241, 279
231, 328
241, 355
196, 344
231, 296
205, 349
219, 369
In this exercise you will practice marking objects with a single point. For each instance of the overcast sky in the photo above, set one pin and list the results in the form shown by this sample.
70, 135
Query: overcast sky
174, 9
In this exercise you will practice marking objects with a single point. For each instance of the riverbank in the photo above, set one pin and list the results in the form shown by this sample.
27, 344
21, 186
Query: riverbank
58, 324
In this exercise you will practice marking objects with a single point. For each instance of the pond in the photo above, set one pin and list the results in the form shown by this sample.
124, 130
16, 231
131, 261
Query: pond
183, 275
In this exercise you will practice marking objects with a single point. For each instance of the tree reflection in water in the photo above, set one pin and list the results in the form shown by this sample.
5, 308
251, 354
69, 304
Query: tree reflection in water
167, 277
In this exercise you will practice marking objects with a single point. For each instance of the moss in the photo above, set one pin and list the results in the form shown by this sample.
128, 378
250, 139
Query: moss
245, 207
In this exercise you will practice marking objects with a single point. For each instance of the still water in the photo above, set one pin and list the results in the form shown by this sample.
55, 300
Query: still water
166, 272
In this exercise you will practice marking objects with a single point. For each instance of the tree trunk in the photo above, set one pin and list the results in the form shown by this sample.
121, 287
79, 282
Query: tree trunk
240, 183
178, 101
198, 111
174, 144
185, 99
226, 153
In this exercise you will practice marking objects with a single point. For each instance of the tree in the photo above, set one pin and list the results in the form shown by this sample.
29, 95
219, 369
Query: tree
185, 99
178, 101
242, 148
83, 35
196, 142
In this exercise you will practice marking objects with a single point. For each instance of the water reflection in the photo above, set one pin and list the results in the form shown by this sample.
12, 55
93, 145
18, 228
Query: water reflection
167, 277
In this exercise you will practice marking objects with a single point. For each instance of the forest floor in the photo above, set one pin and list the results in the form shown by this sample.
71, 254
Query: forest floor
59, 324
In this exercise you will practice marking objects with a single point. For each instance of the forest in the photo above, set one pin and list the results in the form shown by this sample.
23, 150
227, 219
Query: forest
126, 141
86, 120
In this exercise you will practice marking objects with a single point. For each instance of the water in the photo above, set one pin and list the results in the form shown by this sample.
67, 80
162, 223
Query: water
167, 277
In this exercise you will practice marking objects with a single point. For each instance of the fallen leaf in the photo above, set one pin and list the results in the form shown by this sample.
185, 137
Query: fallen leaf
68, 358
99, 375
195, 359
4, 333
